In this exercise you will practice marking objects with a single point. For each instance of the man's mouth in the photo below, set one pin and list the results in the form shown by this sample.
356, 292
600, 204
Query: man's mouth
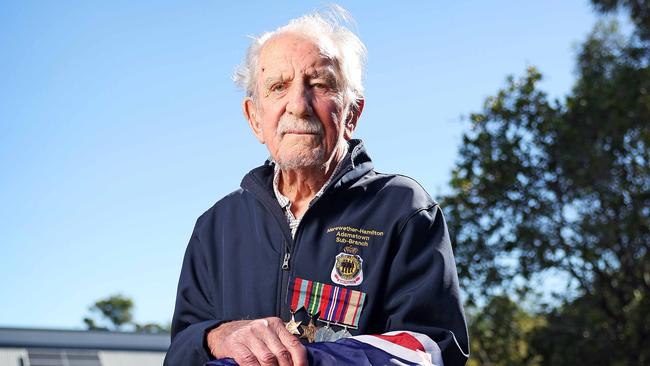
300, 132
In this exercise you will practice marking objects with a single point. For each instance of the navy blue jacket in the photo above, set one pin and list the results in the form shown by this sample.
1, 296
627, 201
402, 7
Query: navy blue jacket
233, 266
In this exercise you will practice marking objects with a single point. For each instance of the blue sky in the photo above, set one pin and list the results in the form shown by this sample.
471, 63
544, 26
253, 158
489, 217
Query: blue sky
120, 125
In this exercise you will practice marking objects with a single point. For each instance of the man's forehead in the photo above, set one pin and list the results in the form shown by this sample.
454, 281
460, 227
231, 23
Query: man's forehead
284, 52
318, 72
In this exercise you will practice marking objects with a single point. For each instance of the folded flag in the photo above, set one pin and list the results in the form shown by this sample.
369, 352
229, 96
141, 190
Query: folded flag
402, 348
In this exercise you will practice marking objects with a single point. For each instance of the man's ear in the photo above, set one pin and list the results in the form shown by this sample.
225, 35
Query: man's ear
252, 116
353, 118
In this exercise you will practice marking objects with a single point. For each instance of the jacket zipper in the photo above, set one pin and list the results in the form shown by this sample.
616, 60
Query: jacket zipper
285, 261
284, 309
289, 248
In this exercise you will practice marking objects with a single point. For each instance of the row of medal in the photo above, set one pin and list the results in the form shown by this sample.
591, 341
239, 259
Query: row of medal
313, 333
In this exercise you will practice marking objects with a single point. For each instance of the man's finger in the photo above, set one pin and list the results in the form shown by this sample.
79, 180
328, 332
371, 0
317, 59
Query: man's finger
293, 345
260, 346
244, 356
270, 338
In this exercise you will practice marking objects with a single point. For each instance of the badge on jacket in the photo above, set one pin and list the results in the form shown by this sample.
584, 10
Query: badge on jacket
348, 270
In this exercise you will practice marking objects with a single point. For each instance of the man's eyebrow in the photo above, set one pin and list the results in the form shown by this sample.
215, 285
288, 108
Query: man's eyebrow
268, 82
326, 73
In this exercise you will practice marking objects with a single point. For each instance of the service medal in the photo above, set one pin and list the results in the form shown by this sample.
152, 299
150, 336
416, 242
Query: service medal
325, 334
343, 333
309, 331
336, 305
292, 325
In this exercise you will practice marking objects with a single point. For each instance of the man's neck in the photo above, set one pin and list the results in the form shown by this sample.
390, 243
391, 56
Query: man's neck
301, 185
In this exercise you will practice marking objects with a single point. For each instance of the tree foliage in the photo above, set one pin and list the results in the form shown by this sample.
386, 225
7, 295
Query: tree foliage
501, 333
639, 11
116, 313
563, 187
116, 309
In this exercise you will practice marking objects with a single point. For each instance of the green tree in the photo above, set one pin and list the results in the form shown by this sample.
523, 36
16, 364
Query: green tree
153, 328
639, 11
501, 333
116, 312
582, 333
115, 309
563, 187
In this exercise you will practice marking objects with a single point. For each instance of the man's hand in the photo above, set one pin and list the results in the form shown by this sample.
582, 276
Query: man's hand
257, 342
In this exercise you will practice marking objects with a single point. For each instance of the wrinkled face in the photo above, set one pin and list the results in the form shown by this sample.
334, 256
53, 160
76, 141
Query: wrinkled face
299, 109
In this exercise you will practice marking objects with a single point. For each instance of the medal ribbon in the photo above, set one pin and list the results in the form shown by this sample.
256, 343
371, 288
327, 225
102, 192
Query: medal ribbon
335, 304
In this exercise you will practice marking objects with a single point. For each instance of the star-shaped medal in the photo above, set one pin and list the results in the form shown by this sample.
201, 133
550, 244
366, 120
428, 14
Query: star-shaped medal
292, 326
309, 331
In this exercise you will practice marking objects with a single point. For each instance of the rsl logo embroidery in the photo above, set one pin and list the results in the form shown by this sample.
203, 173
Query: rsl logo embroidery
348, 270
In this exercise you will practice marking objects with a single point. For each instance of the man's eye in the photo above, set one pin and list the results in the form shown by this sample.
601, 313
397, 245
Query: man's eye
278, 87
321, 86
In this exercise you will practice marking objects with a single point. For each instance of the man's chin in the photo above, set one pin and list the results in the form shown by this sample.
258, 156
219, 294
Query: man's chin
312, 160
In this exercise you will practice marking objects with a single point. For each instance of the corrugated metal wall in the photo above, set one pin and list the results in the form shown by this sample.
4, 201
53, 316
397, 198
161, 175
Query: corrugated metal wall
51, 357
115, 358
62, 357
14, 357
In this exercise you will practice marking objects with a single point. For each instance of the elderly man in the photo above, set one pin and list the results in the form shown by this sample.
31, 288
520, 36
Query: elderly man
315, 243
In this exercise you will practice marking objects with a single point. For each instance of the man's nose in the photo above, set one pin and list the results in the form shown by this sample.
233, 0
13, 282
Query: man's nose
299, 104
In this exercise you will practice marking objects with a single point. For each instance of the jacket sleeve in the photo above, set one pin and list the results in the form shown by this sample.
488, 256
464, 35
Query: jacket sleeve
194, 311
422, 285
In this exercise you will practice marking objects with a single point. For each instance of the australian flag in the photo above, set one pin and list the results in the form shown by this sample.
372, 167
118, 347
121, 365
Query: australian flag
402, 348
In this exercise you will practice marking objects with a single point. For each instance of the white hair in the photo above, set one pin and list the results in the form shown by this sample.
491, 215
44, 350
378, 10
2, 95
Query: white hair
328, 29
